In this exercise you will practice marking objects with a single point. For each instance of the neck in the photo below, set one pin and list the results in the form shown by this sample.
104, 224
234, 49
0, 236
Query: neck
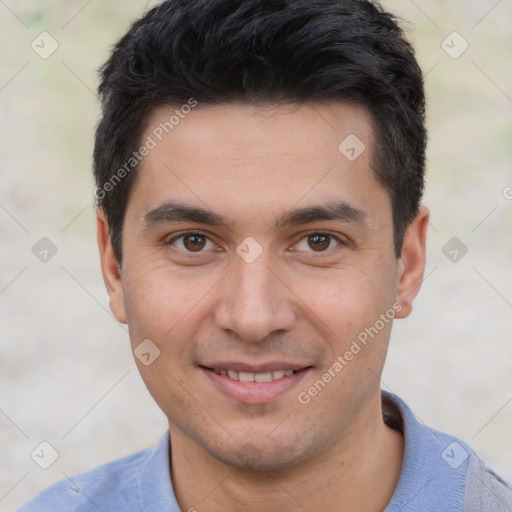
359, 471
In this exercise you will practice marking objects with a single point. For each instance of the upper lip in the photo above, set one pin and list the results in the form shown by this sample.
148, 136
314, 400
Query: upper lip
255, 367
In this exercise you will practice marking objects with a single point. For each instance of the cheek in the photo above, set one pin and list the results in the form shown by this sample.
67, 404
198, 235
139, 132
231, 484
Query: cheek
165, 310
349, 300
165, 307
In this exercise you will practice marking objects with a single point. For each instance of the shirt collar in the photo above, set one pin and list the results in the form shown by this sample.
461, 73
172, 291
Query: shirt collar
434, 464
155, 484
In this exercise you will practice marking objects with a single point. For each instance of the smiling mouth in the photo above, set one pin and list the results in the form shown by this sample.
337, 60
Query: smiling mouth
255, 387
241, 376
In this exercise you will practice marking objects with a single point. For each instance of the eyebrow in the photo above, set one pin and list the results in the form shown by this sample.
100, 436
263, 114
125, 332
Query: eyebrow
342, 211
175, 211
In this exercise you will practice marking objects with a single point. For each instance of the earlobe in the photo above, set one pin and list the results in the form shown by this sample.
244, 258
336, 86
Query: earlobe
411, 264
110, 268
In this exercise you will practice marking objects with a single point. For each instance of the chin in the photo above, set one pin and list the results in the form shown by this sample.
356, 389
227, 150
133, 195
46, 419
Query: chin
260, 456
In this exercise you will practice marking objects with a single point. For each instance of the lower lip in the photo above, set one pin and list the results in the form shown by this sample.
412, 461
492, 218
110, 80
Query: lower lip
255, 392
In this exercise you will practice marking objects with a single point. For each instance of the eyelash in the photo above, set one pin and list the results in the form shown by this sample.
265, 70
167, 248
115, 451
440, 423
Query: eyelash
200, 233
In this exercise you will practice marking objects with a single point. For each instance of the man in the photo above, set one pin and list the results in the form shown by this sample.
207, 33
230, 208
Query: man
259, 168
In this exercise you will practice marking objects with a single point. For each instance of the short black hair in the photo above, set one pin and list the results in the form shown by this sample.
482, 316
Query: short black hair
263, 52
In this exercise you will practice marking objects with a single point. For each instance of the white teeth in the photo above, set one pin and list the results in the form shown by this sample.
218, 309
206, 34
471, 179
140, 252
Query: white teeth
245, 377
263, 377
254, 377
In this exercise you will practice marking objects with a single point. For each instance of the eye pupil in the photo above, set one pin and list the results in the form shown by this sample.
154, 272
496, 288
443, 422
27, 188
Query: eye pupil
194, 242
319, 242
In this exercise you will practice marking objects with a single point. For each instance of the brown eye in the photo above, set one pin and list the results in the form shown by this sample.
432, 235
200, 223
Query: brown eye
319, 242
193, 242
192, 245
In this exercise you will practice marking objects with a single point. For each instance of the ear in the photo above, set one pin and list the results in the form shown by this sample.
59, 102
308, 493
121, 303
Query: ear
110, 267
411, 264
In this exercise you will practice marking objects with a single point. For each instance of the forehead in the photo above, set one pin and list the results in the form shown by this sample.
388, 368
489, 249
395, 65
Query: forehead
241, 158
301, 129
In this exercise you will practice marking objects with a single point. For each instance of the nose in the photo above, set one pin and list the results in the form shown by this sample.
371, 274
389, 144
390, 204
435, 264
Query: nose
254, 302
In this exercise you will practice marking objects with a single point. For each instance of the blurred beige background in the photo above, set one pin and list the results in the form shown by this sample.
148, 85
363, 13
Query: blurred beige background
67, 375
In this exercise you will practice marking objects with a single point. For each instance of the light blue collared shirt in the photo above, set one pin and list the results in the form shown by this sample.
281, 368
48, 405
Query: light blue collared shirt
439, 473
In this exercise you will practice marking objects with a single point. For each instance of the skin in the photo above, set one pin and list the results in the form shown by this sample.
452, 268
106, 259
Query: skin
300, 301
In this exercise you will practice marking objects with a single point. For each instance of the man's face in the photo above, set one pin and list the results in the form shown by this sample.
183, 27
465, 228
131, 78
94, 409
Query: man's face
261, 291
